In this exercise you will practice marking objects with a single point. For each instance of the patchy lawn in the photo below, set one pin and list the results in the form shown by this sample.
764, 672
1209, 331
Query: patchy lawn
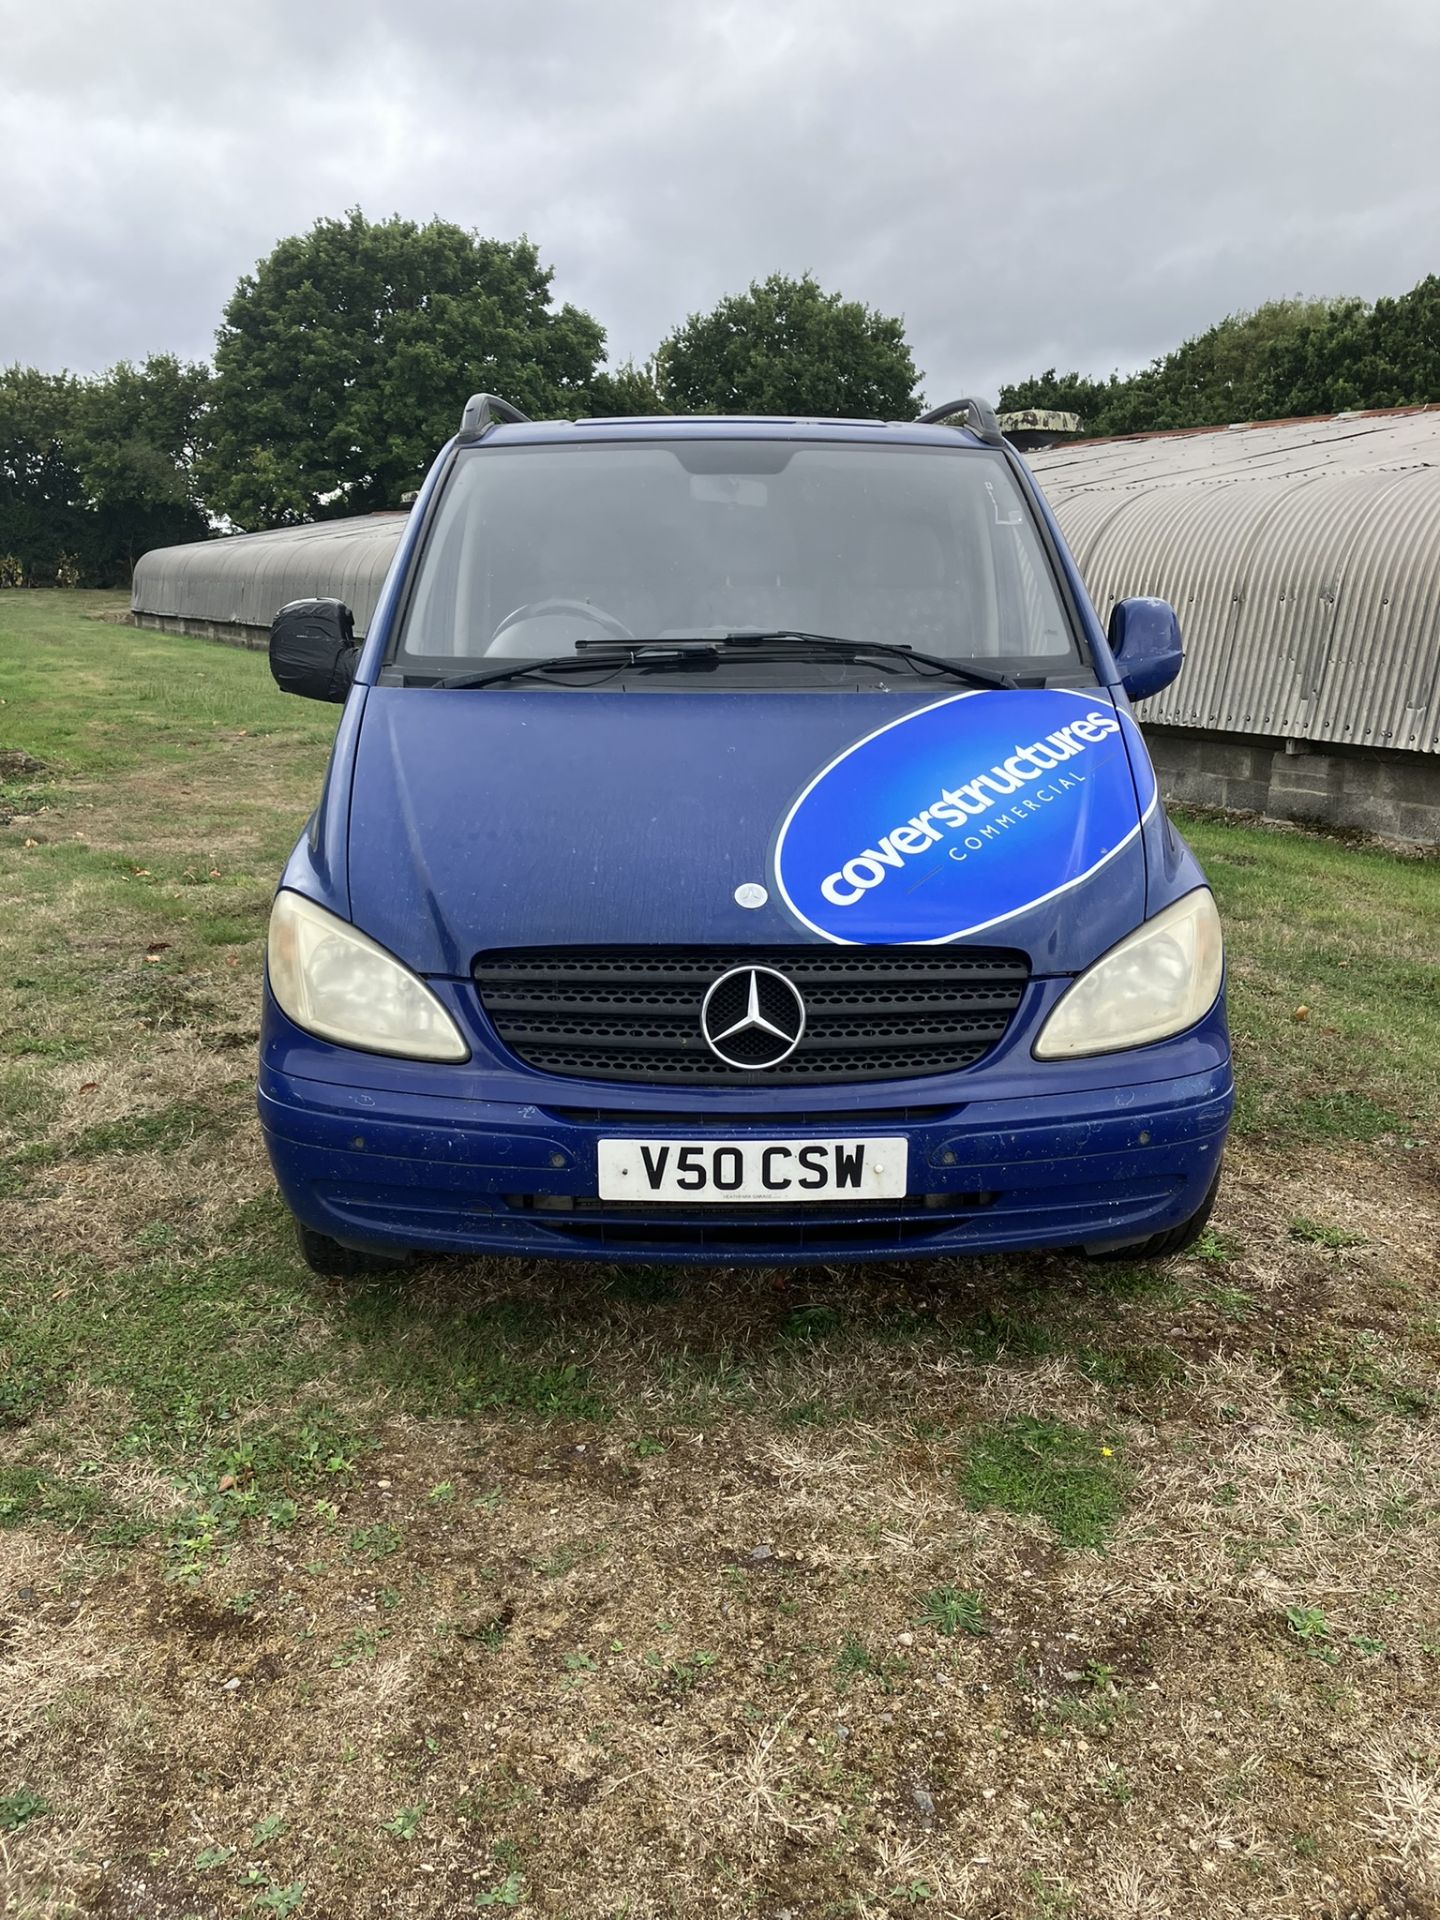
1017, 1588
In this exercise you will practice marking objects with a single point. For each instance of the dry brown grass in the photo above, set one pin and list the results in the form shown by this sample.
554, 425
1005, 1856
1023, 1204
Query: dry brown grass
1218, 1768
522, 1663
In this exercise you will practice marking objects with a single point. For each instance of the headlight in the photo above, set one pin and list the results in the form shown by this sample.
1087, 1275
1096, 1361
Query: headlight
331, 980
1161, 978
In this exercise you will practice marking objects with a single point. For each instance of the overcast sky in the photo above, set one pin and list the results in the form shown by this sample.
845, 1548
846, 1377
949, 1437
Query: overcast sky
1029, 182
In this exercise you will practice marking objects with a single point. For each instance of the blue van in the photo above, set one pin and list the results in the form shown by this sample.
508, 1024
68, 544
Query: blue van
738, 846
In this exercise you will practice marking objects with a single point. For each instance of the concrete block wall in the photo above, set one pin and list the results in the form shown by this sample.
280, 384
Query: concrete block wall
229, 631
1396, 795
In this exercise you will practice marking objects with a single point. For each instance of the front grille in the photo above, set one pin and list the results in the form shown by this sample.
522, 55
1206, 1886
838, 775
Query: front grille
633, 1013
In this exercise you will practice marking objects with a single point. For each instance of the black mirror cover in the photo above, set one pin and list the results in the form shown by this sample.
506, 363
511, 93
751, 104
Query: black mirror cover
313, 650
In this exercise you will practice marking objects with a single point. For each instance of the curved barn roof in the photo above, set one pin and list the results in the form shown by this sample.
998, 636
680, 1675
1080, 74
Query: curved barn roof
245, 579
1303, 557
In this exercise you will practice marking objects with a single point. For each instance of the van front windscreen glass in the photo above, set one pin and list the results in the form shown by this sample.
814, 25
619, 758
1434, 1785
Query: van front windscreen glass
535, 547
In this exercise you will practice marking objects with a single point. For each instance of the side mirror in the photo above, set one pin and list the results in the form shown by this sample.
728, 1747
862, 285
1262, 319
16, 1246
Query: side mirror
313, 650
1145, 640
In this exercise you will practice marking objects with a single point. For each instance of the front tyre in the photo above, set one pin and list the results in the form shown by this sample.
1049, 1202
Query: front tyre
1160, 1246
332, 1261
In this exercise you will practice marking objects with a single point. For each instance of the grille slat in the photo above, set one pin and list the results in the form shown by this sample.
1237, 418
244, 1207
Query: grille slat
633, 1013
605, 1034
682, 1005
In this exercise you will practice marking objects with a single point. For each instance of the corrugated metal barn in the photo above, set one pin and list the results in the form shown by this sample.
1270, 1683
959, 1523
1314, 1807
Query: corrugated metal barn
1303, 558
232, 589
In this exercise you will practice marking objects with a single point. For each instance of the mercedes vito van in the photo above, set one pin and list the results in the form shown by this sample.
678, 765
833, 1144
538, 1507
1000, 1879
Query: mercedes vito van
738, 846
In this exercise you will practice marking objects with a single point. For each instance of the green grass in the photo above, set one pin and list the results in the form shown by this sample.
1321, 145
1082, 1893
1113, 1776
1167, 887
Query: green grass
100, 699
858, 1660
1308, 1624
1350, 933
28, 1494
1349, 1383
950, 1611
1044, 1467
509, 1892
1318, 1233
19, 1808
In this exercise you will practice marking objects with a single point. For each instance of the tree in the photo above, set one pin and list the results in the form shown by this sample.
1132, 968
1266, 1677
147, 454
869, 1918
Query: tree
139, 436
41, 497
1058, 392
1353, 355
1217, 377
628, 390
1403, 365
94, 472
1283, 359
786, 346
345, 358
142, 431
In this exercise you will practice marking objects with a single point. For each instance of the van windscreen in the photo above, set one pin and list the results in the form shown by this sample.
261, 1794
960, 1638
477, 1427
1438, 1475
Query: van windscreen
536, 546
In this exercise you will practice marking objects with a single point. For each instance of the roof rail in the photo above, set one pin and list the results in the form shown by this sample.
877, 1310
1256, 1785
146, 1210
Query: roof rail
979, 418
485, 410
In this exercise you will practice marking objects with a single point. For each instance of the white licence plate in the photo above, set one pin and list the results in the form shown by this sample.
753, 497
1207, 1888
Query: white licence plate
788, 1170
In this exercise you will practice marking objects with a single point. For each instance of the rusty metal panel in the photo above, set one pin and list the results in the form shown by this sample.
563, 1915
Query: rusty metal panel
1303, 558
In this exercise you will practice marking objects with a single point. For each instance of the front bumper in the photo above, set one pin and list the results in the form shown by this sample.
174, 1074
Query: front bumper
363, 1155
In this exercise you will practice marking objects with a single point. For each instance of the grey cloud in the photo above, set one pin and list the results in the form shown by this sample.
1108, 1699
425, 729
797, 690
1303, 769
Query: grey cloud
1029, 183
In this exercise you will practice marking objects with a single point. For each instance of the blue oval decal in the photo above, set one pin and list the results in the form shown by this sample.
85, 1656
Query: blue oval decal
961, 815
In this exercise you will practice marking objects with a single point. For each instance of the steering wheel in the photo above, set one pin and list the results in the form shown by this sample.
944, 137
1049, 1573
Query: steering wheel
556, 610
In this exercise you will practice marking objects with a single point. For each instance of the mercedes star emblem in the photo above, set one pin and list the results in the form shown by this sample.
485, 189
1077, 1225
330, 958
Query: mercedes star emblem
752, 1018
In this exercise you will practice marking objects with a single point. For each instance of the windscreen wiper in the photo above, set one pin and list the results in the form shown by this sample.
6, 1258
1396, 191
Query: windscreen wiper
609, 654
703, 652
842, 648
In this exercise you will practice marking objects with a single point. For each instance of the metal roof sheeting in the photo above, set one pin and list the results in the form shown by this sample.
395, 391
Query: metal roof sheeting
245, 579
1302, 556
